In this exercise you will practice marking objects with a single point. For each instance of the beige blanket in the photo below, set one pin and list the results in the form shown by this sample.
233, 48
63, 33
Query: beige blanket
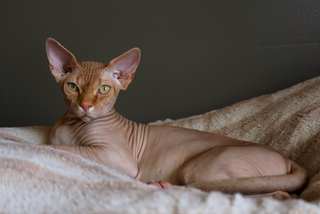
39, 179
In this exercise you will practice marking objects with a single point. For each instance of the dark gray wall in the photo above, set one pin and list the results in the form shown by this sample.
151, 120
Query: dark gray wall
196, 55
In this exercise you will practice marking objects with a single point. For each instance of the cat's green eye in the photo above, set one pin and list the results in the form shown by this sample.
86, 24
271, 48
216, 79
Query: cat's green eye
104, 89
73, 87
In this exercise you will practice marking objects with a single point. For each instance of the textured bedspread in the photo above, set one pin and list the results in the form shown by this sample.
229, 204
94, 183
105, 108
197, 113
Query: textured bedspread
39, 179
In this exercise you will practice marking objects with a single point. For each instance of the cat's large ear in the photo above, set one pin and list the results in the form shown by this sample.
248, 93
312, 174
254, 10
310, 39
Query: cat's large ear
123, 68
60, 59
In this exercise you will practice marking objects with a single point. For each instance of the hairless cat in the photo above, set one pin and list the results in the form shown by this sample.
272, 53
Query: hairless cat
157, 154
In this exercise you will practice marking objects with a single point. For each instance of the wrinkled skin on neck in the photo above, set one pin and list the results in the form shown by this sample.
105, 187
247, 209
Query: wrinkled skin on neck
108, 140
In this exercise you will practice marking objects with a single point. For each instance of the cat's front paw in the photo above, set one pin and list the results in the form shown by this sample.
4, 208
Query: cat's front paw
160, 184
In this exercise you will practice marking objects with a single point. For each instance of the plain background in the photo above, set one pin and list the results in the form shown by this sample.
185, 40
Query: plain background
197, 55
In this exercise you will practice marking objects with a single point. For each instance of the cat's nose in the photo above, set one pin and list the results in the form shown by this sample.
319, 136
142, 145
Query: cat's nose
85, 106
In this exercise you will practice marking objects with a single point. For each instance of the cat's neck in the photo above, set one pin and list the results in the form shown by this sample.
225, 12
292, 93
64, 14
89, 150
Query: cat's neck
113, 122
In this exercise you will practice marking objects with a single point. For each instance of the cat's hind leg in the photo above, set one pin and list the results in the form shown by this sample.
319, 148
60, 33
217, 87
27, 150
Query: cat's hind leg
247, 170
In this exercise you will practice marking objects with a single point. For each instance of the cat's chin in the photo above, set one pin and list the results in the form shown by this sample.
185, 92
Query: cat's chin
86, 118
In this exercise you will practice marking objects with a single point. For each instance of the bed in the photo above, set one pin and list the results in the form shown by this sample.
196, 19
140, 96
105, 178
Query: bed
35, 178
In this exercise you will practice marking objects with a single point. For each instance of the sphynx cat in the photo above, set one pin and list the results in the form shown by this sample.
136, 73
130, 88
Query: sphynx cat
160, 155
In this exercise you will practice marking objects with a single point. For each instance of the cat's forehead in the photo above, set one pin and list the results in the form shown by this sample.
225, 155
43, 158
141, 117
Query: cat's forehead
92, 72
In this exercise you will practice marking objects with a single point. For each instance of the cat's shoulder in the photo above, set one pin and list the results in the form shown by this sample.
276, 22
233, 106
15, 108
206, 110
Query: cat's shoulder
63, 131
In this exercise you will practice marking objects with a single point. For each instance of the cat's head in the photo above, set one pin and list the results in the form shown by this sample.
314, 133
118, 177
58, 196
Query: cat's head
90, 89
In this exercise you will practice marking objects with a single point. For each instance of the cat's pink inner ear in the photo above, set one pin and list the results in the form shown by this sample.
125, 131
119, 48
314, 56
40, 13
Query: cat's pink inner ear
123, 67
61, 61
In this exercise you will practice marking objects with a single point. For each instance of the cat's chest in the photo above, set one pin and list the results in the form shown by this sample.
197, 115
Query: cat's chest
85, 134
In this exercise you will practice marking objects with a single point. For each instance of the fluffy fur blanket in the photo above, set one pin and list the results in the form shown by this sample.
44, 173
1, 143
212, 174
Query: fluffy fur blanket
39, 179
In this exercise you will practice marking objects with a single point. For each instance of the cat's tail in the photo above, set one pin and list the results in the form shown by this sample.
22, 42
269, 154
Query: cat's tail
292, 182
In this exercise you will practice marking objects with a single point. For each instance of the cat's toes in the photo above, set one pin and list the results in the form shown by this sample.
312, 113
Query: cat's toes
281, 196
156, 184
278, 195
165, 184
160, 184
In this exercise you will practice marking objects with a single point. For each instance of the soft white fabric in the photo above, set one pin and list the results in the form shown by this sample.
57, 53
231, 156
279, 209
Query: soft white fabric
39, 179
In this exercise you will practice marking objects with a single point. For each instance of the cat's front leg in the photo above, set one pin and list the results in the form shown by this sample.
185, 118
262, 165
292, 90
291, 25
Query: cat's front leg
84, 151
122, 162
